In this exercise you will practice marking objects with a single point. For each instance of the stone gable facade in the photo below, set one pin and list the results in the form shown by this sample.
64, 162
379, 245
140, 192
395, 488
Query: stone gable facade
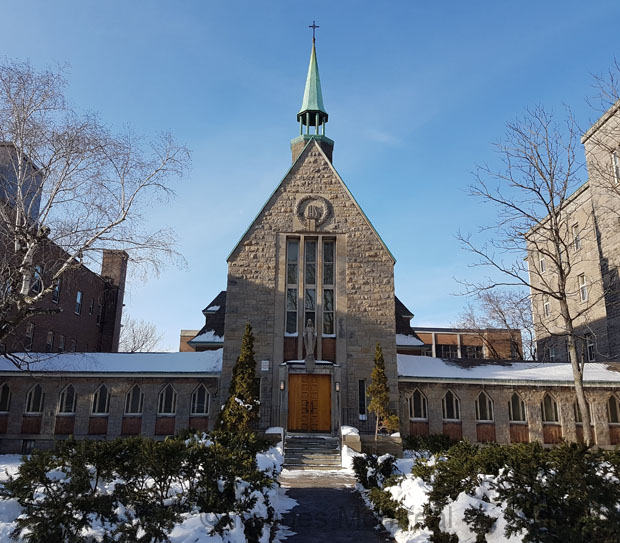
363, 287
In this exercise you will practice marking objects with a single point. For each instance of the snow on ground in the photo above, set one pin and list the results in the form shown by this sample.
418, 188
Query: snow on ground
195, 528
412, 493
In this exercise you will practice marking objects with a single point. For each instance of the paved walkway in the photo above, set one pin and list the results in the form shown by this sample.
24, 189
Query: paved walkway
329, 509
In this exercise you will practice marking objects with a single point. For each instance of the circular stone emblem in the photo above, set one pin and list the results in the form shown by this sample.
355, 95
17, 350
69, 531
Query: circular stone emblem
313, 207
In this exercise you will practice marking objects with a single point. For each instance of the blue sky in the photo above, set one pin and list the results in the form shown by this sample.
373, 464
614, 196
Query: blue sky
416, 92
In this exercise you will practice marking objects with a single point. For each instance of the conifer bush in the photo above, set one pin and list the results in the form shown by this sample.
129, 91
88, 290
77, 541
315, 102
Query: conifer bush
241, 411
139, 488
379, 394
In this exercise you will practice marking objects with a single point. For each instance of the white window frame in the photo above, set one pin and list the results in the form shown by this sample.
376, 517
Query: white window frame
456, 407
423, 406
61, 344
522, 407
542, 265
30, 401
590, 348
555, 415
56, 291
128, 398
95, 407
37, 280
551, 353
483, 396
195, 400
615, 164
62, 401
546, 307
583, 287
49, 341
29, 335
3, 387
161, 399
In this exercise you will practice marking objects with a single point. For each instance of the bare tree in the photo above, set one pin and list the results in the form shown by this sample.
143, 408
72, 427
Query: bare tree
533, 243
508, 310
138, 336
69, 188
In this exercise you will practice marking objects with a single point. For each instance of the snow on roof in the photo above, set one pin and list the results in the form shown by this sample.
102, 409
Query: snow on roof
207, 337
403, 339
202, 362
213, 308
426, 368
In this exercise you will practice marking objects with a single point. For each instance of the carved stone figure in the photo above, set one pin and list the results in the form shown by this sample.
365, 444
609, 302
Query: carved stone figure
309, 339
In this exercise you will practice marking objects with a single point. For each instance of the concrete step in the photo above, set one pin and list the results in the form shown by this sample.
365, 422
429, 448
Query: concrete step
312, 452
301, 467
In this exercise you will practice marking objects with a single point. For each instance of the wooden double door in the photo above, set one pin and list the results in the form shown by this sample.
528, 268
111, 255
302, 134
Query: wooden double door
309, 402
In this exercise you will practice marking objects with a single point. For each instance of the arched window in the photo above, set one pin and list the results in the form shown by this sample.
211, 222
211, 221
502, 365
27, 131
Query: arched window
200, 401
577, 411
101, 401
167, 401
451, 406
516, 409
66, 403
549, 409
34, 400
134, 401
484, 407
5, 398
417, 406
613, 409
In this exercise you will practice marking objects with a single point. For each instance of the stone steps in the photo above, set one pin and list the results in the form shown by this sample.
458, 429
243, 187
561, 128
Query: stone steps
311, 452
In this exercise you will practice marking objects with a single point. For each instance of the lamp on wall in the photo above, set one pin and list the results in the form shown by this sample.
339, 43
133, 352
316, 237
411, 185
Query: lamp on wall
282, 384
337, 386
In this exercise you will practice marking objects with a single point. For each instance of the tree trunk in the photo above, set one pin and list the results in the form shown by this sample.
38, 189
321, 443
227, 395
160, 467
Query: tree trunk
577, 374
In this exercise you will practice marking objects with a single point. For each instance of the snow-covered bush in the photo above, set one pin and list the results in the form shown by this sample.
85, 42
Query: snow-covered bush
139, 490
372, 470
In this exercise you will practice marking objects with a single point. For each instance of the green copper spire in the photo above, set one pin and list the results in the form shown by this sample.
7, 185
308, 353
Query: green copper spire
312, 112
313, 97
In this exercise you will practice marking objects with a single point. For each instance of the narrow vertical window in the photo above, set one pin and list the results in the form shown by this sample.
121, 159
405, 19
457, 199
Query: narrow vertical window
61, 343
37, 283
613, 410
546, 307
542, 265
516, 409
292, 274
578, 415
576, 237
615, 160
551, 353
5, 398
418, 406
590, 348
451, 406
328, 288
34, 400
361, 396
310, 282
91, 306
484, 407
101, 401
66, 401
49, 342
99, 313
583, 288
73, 345
56, 291
78, 302
549, 409
134, 401
29, 336
200, 401
167, 401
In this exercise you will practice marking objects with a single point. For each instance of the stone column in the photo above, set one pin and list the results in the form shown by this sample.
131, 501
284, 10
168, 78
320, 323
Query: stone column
501, 398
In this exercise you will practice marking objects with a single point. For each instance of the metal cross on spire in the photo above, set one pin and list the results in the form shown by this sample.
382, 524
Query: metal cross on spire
313, 26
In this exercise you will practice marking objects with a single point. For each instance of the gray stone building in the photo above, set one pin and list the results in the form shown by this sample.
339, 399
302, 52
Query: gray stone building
588, 221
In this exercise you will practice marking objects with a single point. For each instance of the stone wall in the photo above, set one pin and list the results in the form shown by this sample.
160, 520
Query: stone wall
500, 395
84, 424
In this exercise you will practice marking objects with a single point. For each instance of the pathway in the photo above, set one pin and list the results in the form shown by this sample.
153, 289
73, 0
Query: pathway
329, 509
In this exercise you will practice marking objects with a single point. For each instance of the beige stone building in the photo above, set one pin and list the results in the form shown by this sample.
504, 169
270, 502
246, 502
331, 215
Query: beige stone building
590, 258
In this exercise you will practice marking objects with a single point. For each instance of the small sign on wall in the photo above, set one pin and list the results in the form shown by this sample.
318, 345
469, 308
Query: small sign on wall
264, 365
